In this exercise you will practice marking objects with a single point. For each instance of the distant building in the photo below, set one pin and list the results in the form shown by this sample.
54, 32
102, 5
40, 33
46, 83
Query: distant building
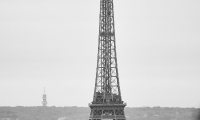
44, 102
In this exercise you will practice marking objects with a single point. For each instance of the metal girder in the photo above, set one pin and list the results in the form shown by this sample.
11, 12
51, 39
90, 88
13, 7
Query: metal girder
107, 80
107, 102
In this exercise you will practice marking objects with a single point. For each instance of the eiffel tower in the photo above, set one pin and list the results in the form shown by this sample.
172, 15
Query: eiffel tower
107, 102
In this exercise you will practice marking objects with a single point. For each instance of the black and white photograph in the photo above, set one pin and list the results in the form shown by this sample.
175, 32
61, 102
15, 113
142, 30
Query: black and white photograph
99, 59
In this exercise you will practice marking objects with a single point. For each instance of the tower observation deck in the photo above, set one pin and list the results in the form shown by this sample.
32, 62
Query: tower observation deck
107, 102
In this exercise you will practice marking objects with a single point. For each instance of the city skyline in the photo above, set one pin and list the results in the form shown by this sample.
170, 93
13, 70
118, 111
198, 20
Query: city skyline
53, 44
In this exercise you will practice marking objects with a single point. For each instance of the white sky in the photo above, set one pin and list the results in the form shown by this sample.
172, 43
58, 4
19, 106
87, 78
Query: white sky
53, 44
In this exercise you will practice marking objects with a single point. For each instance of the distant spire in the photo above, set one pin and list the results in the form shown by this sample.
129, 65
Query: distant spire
44, 102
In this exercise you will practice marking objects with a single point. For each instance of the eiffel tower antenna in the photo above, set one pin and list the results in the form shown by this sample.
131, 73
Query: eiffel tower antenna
107, 102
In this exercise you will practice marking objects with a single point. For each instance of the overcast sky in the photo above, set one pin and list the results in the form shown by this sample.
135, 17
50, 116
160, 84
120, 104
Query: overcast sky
53, 44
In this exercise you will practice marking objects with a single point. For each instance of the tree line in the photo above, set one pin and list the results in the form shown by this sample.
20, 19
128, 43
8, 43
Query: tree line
82, 113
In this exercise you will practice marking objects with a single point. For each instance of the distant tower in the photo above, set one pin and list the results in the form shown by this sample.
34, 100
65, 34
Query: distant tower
107, 103
44, 102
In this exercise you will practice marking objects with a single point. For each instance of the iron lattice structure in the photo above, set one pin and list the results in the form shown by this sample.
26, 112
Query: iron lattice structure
107, 102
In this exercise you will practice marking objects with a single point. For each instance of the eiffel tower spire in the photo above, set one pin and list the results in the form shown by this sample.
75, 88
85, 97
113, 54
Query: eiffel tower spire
107, 102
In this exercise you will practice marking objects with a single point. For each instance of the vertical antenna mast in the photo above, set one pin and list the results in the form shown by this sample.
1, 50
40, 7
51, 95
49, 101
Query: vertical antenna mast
44, 102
